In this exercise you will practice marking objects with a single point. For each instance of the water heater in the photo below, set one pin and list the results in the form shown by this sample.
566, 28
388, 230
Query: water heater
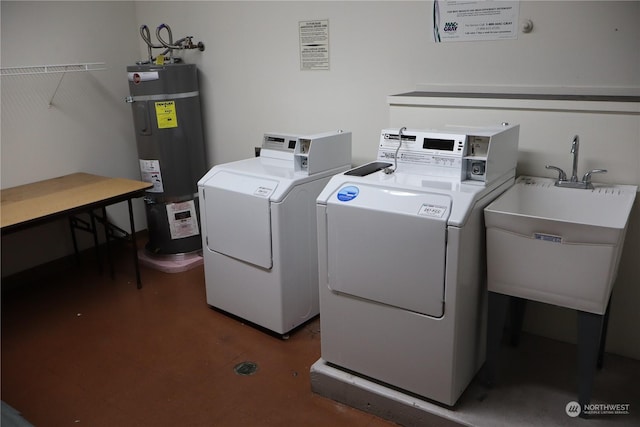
165, 102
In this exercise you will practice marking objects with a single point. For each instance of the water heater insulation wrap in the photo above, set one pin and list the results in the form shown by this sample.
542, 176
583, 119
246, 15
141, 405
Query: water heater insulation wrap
166, 112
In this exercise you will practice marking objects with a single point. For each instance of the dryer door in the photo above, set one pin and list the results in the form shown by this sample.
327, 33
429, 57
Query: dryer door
388, 245
238, 216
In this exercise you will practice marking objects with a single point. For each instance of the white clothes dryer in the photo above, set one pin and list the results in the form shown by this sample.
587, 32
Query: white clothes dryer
402, 258
259, 228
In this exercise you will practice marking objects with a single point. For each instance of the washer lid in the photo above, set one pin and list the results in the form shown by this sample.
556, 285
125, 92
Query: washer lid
388, 246
238, 216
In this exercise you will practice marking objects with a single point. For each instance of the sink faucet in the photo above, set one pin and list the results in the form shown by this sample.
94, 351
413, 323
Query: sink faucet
575, 147
573, 182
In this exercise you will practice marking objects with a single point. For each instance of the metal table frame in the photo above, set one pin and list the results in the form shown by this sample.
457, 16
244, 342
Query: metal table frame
68, 196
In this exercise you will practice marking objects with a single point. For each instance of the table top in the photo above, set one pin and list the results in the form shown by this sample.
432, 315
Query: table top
44, 199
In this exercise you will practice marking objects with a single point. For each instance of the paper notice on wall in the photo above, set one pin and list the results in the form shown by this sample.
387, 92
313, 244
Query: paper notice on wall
182, 219
314, 44
459, 20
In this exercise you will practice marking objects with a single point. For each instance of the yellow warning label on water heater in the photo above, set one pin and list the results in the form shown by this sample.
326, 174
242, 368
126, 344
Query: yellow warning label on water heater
166, 114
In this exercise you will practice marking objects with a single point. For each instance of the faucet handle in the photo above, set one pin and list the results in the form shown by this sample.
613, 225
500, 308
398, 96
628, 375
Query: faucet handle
562, 176
587, 176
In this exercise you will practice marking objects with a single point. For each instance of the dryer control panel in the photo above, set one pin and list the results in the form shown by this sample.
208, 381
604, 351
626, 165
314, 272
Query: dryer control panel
470, 154
278, 141
309, 154
322, 151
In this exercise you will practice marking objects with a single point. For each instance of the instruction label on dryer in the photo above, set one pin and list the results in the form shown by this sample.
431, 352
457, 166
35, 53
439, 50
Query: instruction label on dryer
435, 211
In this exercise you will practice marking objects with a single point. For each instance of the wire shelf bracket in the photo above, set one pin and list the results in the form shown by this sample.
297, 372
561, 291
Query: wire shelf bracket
52, 69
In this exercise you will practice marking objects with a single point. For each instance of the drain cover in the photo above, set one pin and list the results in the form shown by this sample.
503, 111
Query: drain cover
245, 368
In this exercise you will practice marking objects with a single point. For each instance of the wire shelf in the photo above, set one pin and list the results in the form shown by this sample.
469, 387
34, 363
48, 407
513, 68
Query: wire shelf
52, 69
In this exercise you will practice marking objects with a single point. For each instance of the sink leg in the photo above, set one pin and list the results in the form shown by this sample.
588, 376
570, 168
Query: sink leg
498, 305
603, 337
589, 330
517, 309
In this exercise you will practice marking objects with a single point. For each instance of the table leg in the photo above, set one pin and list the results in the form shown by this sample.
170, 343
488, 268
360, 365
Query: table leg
94, 231
135, 245
107, 235
75, 241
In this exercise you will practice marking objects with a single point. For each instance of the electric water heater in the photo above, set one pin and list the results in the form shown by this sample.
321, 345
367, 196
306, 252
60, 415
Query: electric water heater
165, 102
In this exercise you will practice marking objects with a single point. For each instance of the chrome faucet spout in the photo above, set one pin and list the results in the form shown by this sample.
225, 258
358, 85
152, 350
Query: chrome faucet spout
573, 181
575, 148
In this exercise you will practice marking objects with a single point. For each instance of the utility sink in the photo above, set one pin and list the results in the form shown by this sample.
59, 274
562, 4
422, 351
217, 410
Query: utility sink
557, 245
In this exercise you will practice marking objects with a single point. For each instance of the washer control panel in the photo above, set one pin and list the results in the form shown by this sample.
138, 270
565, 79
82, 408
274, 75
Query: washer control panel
463, 153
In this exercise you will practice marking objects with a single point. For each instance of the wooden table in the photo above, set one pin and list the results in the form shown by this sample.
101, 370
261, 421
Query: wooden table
67, 196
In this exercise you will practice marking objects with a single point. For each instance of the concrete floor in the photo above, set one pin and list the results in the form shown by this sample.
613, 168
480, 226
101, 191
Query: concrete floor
80, 348
537, 382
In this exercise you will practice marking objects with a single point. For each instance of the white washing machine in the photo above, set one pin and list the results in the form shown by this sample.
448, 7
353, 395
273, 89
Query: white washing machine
259, 228
402, 259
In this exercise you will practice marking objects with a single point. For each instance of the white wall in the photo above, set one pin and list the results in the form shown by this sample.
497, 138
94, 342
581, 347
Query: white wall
88, 127
251, 81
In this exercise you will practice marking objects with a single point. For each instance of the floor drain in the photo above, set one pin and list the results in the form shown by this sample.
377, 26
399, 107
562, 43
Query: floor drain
246, 368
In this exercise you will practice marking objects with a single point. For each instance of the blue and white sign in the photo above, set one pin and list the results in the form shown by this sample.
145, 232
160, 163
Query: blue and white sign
348, 193
465, 20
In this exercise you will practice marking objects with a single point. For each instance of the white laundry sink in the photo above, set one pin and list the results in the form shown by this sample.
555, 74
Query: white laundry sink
557, 245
